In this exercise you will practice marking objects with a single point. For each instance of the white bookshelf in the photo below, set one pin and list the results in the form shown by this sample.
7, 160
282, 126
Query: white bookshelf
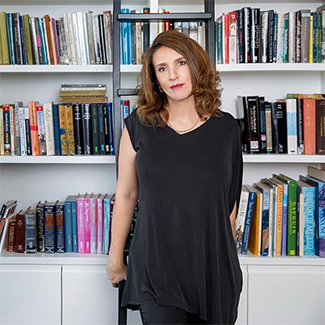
30, 179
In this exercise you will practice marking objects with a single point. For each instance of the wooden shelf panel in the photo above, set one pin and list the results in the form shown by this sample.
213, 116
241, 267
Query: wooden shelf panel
92, 160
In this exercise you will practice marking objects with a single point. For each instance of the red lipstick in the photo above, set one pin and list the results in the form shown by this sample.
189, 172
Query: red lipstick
177, 86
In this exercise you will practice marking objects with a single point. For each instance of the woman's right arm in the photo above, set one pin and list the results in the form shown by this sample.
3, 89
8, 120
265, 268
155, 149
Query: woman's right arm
126, 196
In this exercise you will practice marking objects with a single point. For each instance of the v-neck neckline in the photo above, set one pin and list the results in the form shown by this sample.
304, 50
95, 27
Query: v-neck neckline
192, 131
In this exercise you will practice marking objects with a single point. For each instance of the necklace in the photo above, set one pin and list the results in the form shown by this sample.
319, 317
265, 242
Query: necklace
183, 131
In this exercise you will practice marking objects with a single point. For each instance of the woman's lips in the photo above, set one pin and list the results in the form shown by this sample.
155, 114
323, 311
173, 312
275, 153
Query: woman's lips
174, 87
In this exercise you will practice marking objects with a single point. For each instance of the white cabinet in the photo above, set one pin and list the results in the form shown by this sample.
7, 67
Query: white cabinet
30, 294
286, 295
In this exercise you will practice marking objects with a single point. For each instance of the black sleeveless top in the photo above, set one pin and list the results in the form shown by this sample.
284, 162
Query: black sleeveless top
183, 253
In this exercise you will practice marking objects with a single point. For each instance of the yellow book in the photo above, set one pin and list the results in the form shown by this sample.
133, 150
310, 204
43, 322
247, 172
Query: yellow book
311, 36
70, 130
278, 232
254, 243
63, 130
4, 39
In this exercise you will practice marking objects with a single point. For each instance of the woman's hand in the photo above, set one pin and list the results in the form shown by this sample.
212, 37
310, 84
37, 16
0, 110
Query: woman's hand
116, 272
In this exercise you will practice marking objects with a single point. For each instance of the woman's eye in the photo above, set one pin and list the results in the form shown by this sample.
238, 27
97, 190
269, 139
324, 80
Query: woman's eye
161, 69
182, 62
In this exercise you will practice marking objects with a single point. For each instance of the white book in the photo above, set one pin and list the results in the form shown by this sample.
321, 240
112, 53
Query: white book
17, 105
280, 45
232, 38
292, 37
241, 218
90, 34
83, 56
84, 20
22, 130
76, 37
200, 34
98, 59
67, 38
71, 40
194, 30
49, 132
12, 122
291, 104
41, 129
138, 29
34, 39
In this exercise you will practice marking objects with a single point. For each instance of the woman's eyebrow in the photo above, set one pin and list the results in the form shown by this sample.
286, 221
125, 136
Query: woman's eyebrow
162, 63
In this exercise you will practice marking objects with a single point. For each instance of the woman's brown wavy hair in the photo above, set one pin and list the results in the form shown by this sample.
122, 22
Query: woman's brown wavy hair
205, 80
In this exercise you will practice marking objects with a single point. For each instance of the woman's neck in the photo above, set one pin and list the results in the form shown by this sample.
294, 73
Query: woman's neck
182, 110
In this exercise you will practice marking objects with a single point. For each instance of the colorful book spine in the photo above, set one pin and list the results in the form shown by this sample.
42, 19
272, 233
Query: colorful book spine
309, 221
49, 227
59, 225
30, 231
68, 226
106, 228
56, 129
87, 221
41, 129
292, 126
33, 128
63, 130
40, 227
81, 223
100, 225
93, 224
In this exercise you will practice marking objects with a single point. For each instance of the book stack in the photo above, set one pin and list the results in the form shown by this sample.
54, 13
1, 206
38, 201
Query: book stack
83, 93
294, 125
281, 216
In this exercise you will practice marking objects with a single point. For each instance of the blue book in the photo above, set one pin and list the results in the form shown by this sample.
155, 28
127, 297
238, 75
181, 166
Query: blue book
56, 129
309, 220
319, 213
248, 218
22, 38
41, 30
106, 224
111, 129
125, 42
129, 38
11, 38
49, 227
74, 225
68, 225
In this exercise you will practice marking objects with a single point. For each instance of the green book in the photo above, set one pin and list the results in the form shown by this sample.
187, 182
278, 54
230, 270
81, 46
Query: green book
286, 38
292, 214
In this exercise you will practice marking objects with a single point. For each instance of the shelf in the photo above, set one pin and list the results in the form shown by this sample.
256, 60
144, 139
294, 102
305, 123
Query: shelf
154, 17
55, 68
283, 159
272, 67
93, 160
245, 67
101, 259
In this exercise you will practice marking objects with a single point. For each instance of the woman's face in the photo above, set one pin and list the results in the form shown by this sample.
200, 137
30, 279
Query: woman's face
172, 73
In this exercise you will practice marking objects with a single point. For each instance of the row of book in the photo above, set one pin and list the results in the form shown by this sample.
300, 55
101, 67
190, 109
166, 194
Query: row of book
80, 224
76, 38
251, 35
56, 129
280, 216
294, 125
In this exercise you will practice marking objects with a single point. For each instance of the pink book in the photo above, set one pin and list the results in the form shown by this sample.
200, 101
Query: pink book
100, 218
93, 226
87, 223
81, 223
56, 44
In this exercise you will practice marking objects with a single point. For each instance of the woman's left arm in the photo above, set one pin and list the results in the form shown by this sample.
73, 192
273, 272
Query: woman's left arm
233, 220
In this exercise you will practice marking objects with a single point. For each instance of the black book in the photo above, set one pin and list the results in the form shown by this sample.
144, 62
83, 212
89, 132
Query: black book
146, 32
40, 227
300, 129
279, 126
261, 105
241, 36
247, 34
28, 137
101, 129
275, 37
298, 36
102, 38
255, 30
86, 128
106, 129
18, 49
254, 126
271, 35
94, 124
78, 132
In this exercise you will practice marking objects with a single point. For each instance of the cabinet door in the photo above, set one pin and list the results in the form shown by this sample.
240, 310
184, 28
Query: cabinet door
286, 295
88, 296
30, 294
242, 308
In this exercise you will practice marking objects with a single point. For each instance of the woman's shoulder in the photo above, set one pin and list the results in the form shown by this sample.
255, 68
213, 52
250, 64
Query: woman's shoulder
228, 120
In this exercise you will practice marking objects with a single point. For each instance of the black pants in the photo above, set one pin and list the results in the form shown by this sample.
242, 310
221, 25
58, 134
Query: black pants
152, 313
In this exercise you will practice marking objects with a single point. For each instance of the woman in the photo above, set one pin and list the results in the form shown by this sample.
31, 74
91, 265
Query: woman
180, 155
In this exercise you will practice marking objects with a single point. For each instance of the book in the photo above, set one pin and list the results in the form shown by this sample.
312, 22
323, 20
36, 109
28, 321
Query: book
240, 220
49, 227
20, 232
81, 222
30, 231
316, 173
40, 227
7, 209
320, 126
59, 227
63, 130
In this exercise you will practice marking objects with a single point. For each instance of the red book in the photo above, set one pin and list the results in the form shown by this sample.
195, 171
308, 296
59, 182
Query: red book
33, 128
309, 126
167, 22
20, 232
225, 27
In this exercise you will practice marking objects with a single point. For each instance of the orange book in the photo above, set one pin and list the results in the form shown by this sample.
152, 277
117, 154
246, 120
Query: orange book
309, 125
254, 243
49, 38
33, 128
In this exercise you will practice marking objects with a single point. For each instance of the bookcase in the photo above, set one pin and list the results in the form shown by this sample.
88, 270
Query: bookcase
73, 288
